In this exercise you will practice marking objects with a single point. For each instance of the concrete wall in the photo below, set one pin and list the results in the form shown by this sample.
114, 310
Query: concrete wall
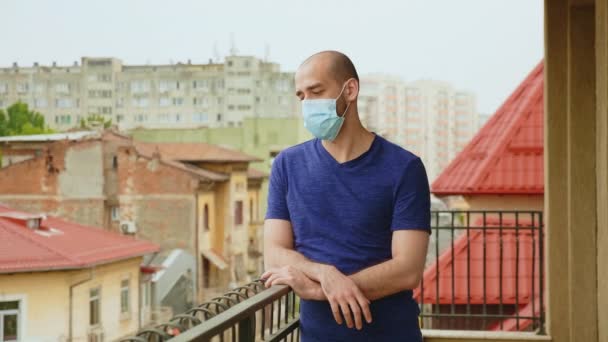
576, 164
160, 200
504, 202
45, 301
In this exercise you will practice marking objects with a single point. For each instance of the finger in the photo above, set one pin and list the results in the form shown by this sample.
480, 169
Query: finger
364, 304
267, 273
282, 281
335, 310
346, 313
356, 310
271, 278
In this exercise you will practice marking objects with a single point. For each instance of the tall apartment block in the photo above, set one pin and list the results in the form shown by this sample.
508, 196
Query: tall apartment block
181, 95
430, 118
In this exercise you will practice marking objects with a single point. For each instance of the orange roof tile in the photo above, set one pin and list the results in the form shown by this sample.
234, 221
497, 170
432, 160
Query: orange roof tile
506, 155
440, 272
255, 173
196, 152
61, 244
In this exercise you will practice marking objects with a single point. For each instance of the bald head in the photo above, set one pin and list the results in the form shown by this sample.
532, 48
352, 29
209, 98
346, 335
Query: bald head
334, 63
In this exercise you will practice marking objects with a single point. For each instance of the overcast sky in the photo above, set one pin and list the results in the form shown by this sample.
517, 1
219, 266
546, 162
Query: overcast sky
486, 46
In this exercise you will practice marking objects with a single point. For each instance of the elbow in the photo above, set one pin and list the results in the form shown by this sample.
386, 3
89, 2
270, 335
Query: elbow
411, 281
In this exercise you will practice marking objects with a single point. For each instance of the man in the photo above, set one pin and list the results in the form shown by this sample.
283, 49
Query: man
348, 217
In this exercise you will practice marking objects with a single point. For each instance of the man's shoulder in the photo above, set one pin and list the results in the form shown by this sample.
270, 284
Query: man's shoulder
296, 151
397, 154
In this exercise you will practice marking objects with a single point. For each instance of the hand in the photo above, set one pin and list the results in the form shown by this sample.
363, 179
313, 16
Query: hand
303, 286
343, 294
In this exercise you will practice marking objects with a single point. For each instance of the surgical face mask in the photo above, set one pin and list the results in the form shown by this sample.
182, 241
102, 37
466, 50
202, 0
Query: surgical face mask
321, 117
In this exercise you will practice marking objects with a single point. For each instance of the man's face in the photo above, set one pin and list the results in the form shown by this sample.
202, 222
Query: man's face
314, 81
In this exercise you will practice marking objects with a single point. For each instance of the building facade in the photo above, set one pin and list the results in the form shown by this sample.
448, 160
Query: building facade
62, 281
195, 200
181, 95
432, 119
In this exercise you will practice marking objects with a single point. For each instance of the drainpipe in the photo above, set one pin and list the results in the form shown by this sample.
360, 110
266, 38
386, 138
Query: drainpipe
70, 332
196, 249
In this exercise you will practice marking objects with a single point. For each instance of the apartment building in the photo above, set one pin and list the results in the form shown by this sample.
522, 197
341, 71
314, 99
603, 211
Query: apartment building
433, 119
180, 95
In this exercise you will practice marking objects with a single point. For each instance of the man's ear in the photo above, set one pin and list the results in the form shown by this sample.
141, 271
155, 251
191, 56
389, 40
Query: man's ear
352, 89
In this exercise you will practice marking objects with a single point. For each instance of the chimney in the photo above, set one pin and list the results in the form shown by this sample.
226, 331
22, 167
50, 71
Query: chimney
15, 65
30, 221
75, 63
54, 64
36, 64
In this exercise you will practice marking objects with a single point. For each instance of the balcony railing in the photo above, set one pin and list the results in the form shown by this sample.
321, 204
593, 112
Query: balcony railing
245, 314
484, 272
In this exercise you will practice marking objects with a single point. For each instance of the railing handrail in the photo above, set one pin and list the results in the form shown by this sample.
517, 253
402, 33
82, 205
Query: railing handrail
225, 320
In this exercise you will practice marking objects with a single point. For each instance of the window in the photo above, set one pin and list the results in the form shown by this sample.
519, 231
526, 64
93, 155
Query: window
219, 117
140, 118
206, 272
140, 86
164, 118
23, 87
251, 209
178, 101
125, 296
238, 212
94, 306
201, 101
115, 160
139, 102
115, 211
200, 84
167, 85
9, 321
244, 107
164, 102
206, 217
63, 103
39, 87
3, 88
230, 107
62, 88
200, 117
40, 103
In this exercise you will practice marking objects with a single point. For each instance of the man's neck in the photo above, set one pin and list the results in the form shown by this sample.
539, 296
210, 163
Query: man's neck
353, 141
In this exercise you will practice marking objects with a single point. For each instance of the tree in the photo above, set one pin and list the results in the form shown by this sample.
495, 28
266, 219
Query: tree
18, 119
95, 120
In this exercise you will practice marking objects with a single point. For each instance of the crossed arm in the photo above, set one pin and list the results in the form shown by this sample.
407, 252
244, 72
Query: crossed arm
346, 294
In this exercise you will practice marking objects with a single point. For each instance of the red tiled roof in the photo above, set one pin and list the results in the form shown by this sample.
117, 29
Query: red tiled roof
65, 245
521, 324
506, 155
443, 267
195, 152
255, 173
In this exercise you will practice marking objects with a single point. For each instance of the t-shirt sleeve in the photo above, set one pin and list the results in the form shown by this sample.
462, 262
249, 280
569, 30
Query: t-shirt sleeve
412, 204
277, 191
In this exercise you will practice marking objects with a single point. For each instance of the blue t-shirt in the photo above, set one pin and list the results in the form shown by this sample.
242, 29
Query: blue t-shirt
344, 214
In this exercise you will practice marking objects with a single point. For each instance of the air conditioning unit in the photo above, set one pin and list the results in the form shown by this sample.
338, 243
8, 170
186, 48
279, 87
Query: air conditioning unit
128, 227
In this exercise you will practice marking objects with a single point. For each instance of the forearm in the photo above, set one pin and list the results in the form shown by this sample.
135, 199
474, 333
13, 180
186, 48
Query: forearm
279, 256
386, 278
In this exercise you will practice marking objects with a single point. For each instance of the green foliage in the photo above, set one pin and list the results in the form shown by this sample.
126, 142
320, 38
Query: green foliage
95, 120
18, 119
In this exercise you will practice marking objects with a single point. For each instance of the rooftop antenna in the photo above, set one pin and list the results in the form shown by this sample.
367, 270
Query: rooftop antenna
216, 52
233, 49
266, 52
